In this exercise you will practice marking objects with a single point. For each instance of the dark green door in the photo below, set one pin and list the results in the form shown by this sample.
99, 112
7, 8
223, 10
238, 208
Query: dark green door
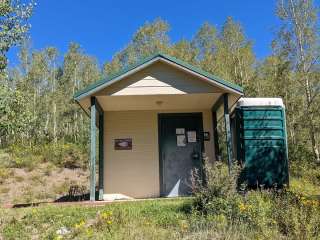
181, 144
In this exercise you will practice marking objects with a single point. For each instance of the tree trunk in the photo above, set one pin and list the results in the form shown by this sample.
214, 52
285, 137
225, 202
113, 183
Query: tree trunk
54, 106
54, 122
312, 133
315, 148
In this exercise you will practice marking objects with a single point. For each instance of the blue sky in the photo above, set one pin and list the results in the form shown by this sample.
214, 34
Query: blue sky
103, 27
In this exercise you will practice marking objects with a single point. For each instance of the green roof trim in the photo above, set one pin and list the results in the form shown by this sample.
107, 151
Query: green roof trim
203, 73
174, 60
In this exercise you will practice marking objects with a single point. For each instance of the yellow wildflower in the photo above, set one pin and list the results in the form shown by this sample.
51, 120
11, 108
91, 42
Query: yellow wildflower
184, 226
106, 215
242, 207
80, 224
89, 232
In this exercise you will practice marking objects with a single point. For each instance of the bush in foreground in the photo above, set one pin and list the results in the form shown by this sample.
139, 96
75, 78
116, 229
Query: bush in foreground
271, 213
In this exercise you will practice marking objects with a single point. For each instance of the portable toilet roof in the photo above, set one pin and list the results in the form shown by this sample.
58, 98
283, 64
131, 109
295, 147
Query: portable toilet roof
257, 102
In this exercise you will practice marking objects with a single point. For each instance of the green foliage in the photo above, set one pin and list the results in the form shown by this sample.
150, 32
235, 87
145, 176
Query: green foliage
23, 157
234, 56
184, 50
296, 216
36, 103
149, 39
218, 182
219, 195
13, 121
5, 173
205, 41
13, 25
63, 155
298, 44
271, 213
306, 170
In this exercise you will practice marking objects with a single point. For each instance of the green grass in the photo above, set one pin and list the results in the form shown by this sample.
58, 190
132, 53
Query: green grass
150, 219
159, 219
258, 218
305, 187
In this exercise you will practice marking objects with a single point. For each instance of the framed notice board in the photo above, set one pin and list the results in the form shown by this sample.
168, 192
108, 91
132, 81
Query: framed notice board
123, 144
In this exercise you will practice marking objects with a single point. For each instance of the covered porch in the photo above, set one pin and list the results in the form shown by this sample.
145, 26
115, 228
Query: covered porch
127, 110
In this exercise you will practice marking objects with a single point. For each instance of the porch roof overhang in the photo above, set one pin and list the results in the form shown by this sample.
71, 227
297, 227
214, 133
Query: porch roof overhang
162, 99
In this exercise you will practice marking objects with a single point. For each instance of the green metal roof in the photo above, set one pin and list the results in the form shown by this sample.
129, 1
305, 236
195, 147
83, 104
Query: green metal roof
84, 92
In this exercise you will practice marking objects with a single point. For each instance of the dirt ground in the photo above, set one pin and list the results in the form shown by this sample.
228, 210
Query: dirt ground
46, 183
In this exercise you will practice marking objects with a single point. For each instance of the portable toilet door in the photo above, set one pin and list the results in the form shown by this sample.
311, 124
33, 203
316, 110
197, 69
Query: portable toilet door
262, 142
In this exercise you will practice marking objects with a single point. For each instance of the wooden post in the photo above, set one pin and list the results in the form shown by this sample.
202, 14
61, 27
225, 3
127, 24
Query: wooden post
215, 135
93, 150
214, 110
228, 130
101, 154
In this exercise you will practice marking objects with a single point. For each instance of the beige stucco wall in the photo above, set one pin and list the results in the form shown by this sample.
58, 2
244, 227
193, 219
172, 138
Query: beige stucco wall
135, 172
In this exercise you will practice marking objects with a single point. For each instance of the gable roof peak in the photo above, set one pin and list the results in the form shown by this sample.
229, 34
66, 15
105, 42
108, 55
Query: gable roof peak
92, 88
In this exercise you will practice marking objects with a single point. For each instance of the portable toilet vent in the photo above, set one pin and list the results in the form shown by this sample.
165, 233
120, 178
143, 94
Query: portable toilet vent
261, 142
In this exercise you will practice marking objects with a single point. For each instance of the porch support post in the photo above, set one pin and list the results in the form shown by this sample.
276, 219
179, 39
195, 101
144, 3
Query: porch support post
228, 130
214, 110
215, 135
101, 155
93, 149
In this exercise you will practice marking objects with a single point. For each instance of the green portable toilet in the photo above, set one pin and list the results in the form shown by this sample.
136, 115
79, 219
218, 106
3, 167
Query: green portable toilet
261, 141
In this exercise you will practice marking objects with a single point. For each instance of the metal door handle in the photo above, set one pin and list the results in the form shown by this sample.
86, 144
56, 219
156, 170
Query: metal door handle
195, 155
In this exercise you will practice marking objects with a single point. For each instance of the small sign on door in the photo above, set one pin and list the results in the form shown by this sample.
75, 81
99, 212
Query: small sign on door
192, 136
179, 130
181, 140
